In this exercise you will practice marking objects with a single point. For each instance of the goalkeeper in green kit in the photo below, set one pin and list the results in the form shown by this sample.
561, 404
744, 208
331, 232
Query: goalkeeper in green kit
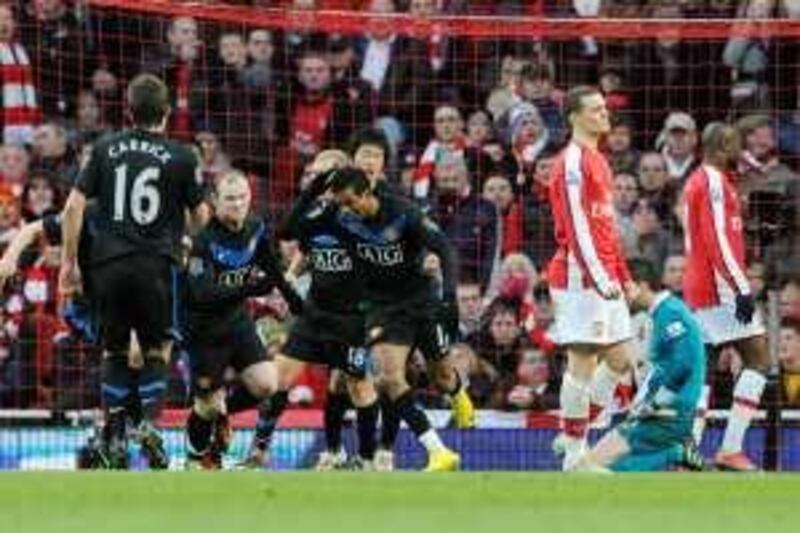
657, 434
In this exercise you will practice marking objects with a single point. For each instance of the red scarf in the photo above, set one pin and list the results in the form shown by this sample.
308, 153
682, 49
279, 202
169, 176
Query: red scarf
20, 111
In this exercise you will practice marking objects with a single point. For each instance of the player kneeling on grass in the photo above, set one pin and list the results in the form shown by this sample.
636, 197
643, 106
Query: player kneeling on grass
657, 435
231, 260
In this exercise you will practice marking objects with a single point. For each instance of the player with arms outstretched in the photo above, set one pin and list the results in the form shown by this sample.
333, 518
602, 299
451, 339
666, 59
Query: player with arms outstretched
588, 275
657, 434
144, 185
715, 285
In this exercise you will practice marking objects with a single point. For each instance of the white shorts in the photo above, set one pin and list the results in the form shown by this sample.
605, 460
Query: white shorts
720, 326
584, 317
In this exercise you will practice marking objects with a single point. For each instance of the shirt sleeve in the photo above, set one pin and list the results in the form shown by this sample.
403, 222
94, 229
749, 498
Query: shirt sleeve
434, 239
269, 262
191, 183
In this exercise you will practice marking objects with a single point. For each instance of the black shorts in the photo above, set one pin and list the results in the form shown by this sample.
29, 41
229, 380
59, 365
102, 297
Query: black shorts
136, 293
411, 324
331, 339
209, 357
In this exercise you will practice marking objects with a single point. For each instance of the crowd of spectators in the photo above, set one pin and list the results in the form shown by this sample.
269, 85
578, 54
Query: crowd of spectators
471, 125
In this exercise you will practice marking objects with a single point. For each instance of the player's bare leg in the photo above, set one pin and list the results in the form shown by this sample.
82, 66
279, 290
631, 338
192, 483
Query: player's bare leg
746, 398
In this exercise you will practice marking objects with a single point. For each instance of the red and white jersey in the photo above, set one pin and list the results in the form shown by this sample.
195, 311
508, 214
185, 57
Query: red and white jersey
715, 267
589, 251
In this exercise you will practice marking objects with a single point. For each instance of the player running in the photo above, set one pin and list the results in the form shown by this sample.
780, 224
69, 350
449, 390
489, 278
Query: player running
657, 434
231, 260
331, 329
144, 184
388, 238
715, 285
588, 275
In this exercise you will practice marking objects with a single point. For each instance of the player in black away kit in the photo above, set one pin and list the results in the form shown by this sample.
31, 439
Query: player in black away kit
231, 260
331, 330
144, 184
79, 314
388, 238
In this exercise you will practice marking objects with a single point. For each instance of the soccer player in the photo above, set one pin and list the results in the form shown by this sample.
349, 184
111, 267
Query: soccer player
144, 185
80, 316
388, 238
370, 151
715, 285
331, 329
231, 260
588, 275
657, 434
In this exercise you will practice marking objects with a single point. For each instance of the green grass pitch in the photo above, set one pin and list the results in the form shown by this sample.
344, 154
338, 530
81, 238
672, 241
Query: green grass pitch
245, 502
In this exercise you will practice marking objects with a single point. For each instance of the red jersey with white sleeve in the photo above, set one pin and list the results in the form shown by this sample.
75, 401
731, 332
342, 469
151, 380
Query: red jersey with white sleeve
589, 253
715, 268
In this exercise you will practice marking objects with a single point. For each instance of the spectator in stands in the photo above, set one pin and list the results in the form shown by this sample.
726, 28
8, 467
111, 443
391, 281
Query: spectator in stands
90, 120
242, 114
497, 348
612, 84
760, 158
790, 298
789, 359
535, 215
180, 63
470, 307
395, 68
19, 107
213, 160
447, 147
619, 149
441, 53
371, 152
260, 51
14, 165
9, 215
40, 196
52, 152
59, 54
626, 194
672, 275
655, 185
497, 190
536, 87
678, 144
354, 96
469, 221
538, 382
527, 137
504, 88
651, 242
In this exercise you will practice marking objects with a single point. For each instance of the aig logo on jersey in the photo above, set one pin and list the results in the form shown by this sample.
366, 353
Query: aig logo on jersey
383, 255
331, 260
234, 278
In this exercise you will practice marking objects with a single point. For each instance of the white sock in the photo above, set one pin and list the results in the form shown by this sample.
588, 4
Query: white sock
700, 415
746, 397
574, 398
430, 439
604, 383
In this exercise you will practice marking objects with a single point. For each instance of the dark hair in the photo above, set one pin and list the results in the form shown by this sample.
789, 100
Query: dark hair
791, 323
535, 71
352, 178
644, 270
148, 100
371, 137
573, 103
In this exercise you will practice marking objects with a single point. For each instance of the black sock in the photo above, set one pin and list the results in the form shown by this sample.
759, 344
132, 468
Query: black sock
240, 399
415, 417
152, 387
134, 404
198, 432
367, 423
390, 424
335, 409
268, 414
116, 392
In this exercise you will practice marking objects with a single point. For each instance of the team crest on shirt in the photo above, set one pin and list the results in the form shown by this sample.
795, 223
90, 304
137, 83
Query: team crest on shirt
674, 330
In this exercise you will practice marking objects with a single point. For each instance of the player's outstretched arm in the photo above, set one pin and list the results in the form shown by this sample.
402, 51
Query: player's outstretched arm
29, 233
269, 263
